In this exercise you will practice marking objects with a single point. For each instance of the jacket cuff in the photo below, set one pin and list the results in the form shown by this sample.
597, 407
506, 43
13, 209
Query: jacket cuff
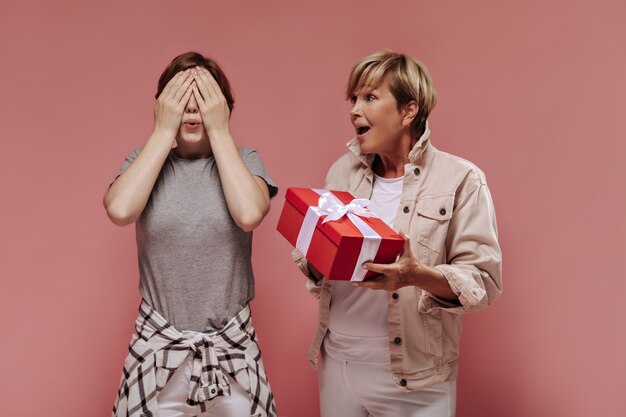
467, 290
301, 262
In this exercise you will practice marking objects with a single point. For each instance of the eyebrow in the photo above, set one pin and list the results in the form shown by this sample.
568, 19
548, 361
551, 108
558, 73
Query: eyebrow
367, 88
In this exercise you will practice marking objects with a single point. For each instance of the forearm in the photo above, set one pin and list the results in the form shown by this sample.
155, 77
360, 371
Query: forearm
247, 198
127, 196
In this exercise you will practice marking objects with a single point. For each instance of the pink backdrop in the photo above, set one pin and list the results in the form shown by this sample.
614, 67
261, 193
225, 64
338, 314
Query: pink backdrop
533, 92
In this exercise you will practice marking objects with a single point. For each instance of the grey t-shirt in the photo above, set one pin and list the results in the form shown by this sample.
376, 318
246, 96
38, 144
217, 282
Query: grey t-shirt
194, 261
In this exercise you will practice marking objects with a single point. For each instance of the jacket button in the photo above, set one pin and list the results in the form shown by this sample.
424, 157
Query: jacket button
395, 295
442, 211
397, 340
403, 382
406, 209
416, 171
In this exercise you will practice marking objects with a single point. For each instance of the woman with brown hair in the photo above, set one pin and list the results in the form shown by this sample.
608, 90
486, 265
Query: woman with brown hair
194, 351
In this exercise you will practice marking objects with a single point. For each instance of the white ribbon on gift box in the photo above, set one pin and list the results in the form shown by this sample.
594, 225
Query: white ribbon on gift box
329, 205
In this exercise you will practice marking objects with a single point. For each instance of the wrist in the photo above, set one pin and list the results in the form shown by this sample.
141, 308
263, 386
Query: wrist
414, 276
219, 134
164, 134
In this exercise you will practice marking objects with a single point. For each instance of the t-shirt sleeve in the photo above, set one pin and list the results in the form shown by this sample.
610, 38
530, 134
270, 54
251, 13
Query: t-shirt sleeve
253, 161
127, 161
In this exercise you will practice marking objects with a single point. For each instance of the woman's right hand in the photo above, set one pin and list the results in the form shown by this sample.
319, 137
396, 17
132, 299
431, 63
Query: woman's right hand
126, 198
171, 103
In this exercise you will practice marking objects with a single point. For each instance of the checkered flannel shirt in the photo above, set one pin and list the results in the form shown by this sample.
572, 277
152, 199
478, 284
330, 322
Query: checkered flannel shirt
157, 349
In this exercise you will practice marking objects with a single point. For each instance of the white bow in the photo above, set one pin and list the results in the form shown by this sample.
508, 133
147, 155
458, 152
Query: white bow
334, 209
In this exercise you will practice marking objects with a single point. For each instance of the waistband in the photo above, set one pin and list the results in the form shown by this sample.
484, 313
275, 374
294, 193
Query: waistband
211, 352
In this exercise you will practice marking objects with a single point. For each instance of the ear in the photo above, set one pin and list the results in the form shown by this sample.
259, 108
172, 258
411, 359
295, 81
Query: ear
410, 111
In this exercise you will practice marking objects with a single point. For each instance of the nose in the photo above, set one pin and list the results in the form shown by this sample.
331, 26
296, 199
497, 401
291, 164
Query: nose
192, 105
355, 110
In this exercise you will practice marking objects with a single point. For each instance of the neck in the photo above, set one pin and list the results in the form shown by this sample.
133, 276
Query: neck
387, 167
391, 164
201, 150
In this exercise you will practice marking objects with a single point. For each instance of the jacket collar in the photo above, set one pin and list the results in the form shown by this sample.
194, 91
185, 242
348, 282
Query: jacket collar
414, 155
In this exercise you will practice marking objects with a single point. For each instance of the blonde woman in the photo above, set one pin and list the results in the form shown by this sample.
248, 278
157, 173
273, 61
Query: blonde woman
390, 345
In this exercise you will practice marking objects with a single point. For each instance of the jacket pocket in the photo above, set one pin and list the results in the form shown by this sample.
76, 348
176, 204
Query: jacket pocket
433, 343
434, 214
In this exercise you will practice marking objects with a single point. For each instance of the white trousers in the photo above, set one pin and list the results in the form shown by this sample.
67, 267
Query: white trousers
172, 398
349, 389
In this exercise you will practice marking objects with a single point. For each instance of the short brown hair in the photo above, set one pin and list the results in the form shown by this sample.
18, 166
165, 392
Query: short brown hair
408, 80
192, 60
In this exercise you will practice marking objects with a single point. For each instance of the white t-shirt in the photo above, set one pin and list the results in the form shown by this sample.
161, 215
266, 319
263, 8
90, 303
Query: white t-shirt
358, 330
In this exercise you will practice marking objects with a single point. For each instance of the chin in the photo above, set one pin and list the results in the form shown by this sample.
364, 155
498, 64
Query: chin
366, 149
191, 139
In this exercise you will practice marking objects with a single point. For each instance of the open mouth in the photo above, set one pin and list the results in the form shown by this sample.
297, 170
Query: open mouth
360, 130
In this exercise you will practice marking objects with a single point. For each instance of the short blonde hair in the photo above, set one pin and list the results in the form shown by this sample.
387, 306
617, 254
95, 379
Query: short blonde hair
408, 80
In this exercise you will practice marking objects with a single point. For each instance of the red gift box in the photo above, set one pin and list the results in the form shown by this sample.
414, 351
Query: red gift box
337, 248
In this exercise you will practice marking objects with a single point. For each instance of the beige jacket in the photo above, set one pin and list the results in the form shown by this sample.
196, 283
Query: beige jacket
447, 211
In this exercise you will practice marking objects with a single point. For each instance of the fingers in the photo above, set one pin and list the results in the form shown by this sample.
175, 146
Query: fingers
203, 84
211, 83
378, 268
406, 249
406, 238
206, 83
173, 85
184, 90
170, 83
185, 98
197, 95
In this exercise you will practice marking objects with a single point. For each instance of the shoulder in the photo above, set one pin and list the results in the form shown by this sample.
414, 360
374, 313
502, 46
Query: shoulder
250, 154
252, 159
347, 163
342, 170
246, 151
449, 174
456, 166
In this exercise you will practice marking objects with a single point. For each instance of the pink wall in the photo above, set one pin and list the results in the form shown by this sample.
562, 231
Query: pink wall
533, 92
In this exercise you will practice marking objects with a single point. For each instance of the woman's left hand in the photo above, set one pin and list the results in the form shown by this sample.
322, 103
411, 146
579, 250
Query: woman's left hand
401, 273
211, 101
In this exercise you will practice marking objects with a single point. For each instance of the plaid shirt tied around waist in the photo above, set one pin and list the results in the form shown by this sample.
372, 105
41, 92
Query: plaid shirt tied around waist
157, 349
